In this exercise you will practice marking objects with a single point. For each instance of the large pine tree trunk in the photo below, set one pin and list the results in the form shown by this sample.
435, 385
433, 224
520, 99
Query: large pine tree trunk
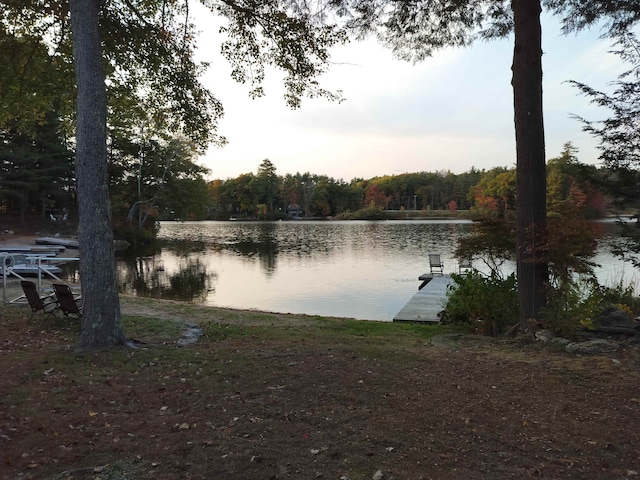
532, 269
101, 324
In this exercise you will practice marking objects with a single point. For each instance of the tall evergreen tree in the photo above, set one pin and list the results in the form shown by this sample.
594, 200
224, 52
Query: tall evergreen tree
36, 168
620, 141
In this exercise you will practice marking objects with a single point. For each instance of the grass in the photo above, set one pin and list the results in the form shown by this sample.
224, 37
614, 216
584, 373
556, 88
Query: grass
152, 329
259, 393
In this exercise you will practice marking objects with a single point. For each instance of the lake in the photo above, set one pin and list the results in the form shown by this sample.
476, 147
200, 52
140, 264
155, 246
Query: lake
359, 269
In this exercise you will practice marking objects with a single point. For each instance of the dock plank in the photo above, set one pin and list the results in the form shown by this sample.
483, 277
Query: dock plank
425, 305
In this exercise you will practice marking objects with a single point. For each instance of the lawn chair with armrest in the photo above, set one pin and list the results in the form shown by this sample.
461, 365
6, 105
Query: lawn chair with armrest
69, 305
435, 264
465, 265
46, 304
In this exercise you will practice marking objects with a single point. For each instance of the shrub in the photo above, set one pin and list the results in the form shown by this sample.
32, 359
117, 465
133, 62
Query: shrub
136, 236
487, 304
580, 302
368, 213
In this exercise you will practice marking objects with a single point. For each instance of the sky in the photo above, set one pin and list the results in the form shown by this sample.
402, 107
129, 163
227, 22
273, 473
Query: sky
451, 112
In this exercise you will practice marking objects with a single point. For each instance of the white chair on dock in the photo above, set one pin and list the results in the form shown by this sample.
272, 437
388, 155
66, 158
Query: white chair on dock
464, 266
435, 264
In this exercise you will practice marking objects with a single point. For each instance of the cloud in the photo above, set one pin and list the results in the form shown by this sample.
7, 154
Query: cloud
452, 111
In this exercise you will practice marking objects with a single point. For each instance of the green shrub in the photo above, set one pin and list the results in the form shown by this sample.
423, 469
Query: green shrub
580, 302
570, 307
368, 213
487, 304
136, 236
621, 294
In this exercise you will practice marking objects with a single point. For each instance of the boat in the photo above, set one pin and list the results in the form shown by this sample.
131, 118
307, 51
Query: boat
71, 243
65, 242
32, 249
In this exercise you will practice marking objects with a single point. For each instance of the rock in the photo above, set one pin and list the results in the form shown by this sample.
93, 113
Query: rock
592, 347
560, 341
190, 335
544, 336
378, 475
614, 317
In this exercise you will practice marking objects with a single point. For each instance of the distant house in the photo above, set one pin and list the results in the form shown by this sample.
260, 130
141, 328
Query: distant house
294, 210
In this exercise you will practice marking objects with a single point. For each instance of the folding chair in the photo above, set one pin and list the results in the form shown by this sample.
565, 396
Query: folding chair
435, 264
464, 266
68, 303
46, 304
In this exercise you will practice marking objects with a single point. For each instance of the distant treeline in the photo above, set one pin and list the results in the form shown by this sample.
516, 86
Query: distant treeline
311, 195
165, 184
268, 195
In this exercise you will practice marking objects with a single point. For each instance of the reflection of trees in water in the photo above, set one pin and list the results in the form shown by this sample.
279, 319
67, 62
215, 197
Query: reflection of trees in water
147, 277
260, 242
182, 247
143, 272
269, 240
265, 251
70, 272
412, 237
191, 282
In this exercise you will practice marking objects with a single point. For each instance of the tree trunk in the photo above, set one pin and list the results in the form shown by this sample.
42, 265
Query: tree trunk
101, 324
532, 270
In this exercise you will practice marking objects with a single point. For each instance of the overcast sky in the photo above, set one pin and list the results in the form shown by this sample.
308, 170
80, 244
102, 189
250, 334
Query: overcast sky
451, 112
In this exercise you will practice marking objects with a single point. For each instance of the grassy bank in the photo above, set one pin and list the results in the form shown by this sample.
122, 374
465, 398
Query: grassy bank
270, 396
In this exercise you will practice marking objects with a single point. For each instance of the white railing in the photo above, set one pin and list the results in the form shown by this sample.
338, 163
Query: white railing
41, 262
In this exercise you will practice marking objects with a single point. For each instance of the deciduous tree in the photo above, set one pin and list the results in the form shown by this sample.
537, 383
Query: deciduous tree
148, 58
101, 324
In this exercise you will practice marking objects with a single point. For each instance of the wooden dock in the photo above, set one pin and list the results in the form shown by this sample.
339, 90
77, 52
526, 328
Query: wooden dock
425, 305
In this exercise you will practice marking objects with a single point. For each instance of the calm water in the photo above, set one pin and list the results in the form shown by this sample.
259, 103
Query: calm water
364, 270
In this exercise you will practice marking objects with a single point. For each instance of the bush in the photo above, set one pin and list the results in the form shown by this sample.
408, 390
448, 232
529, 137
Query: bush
368, 213
487, 304
580, 302
136, 236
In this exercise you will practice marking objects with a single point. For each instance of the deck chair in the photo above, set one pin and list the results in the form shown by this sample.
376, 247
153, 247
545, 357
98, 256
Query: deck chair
464, 266
435, 264
69, 305
45, 304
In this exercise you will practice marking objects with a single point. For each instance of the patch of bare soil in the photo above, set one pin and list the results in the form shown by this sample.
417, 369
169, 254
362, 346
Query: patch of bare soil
269, 404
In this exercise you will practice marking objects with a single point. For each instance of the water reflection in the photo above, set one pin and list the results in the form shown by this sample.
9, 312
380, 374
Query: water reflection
146, 273
261, 243
310, 239
350, 269
365, 270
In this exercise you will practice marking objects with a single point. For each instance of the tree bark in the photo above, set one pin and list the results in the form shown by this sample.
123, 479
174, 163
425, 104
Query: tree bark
101, 324
532, 269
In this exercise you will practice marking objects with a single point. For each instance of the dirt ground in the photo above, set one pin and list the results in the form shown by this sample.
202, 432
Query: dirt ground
265, 396
324, 401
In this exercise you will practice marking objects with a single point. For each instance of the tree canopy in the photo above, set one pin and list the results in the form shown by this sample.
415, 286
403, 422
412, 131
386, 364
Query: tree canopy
144, 56
134, 69
620, 141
